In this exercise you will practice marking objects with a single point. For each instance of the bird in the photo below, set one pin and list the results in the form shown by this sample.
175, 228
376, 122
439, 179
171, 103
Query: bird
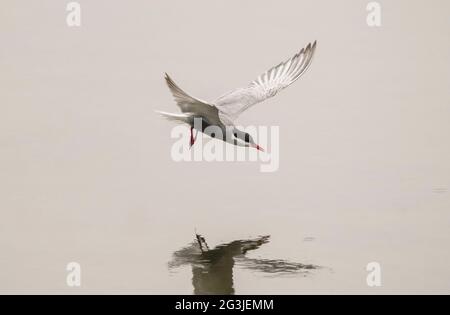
223, 112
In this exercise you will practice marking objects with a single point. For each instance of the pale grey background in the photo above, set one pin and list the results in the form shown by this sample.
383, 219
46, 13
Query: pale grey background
85, 167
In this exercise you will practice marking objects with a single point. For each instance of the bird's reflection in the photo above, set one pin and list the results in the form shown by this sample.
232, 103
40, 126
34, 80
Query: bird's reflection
212, 269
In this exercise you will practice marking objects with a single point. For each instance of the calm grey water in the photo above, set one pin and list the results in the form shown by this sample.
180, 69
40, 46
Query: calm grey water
86, 173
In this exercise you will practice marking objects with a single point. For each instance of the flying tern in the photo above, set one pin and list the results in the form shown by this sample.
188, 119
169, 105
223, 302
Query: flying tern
226, 109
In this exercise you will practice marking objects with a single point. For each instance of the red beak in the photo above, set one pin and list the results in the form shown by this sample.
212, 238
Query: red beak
259, 148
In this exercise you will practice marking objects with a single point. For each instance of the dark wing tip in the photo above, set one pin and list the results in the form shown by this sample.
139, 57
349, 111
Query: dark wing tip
169, 81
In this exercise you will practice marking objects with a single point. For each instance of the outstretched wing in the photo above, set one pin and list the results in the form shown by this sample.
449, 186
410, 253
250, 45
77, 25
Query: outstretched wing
187, 103
232, 104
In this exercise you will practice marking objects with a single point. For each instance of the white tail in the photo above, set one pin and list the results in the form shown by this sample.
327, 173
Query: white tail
179, 118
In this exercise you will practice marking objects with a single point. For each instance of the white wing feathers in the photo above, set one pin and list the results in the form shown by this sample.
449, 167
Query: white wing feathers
186, 102
232, 104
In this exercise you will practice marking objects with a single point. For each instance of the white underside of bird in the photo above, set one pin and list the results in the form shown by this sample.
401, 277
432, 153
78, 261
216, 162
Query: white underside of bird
223, 111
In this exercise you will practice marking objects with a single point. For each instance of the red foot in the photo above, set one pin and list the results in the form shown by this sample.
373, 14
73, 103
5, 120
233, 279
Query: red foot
192, 138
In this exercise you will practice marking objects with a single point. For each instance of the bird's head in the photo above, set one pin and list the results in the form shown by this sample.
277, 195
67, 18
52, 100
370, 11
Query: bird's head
244, 139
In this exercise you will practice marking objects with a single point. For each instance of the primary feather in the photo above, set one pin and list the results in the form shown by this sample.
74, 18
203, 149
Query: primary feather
190, 104
268, 84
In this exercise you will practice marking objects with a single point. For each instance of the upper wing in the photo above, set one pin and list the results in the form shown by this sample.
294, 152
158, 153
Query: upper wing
232, 104
187, 103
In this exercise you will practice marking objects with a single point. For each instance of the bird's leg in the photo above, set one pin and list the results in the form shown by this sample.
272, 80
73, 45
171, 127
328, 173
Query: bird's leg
201, 241
192, 137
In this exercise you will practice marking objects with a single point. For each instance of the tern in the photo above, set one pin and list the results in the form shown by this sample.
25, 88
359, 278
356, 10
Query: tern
223, 111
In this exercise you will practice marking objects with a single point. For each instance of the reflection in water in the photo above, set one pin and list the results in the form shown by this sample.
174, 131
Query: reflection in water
212, 269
